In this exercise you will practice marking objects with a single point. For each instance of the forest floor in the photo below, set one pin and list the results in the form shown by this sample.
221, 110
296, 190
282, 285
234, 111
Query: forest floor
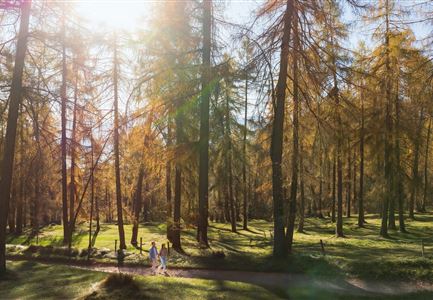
361, 254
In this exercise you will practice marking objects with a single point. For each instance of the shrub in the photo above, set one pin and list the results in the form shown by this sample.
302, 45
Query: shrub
120, 281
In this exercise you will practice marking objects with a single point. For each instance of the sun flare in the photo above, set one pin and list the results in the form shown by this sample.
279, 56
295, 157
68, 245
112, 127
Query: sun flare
115, 14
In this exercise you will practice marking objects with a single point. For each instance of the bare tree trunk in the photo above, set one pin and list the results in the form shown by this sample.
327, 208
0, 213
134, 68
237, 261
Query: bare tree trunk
339, 136
38, 173
415, 174
388, 134
302, 196
348, 181
361, 218
20, 198
244, 166
276, 151
92, 198
137, 205
177, 192
12, 210
334, 179
72, 187
67, 232
15, 99
203, 202
295, 150
427, 145
355, 192
122, 244
229, 166
168, 185
319, 208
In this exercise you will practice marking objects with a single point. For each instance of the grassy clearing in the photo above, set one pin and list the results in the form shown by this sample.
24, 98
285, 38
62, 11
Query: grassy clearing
30, 280
362, 253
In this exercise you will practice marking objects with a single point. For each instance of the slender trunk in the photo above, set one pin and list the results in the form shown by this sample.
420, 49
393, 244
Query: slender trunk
319, 208
137, 205
295, 151
15, 99
334, 179
38, 173
67, 232
355, 192
244, 166
176, 227
177, 207
122, 244
427, 144
168, 185
361, 218
20, 202
302, 196
415, 175
203, 188
72, 187
348, 181
276, 151
229, 166
339, 136
388, 134
98, 224
12, 210
92, 198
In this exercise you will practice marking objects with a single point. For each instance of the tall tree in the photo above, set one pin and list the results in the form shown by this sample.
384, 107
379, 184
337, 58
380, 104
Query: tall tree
203, 202
15, 98
122, 244
63, 142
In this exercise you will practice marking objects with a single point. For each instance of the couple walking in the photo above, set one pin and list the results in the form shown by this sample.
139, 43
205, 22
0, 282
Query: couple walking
153, 256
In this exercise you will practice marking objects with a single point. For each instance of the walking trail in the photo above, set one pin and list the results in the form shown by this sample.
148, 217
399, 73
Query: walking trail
343, 286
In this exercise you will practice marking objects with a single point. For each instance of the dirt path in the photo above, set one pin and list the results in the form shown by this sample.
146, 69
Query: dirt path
284, 281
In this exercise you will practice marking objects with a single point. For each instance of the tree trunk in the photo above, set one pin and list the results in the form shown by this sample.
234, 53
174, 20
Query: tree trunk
177, 207
67, 232
348, 181
415, 175
427, 144
388, 134
229, 166
334, 179
122, 244
15, 99
319, 208
20, 198
137, 205
276, 150
168, 185
355, 192
295, 150
302, 196
339, 136
244, 165
361, 218
92, 198
12, 210
203, 202
72, 187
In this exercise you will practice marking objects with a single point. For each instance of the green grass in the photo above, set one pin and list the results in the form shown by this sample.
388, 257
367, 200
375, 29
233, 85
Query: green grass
30, 280
362, 253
